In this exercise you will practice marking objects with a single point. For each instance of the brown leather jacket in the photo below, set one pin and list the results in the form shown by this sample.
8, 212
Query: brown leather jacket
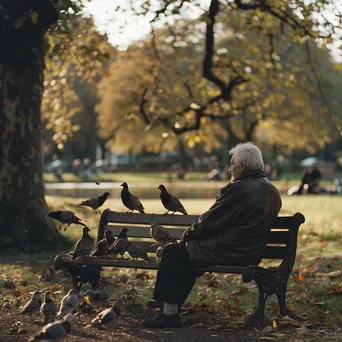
235, 229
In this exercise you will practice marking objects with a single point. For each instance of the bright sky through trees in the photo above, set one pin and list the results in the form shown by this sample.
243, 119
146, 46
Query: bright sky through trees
123, 27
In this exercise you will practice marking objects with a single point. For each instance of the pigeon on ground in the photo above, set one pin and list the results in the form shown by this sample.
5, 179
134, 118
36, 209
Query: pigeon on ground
69, 303
55, 331
65, 217
97, 298
33, 305
161, 235
109, 318
130, 201
136, 252
96, 202
104, 244
171, 203
84, 245
121, 244
49, 309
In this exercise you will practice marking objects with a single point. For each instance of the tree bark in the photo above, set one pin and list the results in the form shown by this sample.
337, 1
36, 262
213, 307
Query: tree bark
22, 204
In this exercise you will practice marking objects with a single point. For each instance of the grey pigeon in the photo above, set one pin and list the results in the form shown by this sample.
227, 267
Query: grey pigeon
130, 201
136, 252
69, 303
49, 309
171, 203
109, 318
96, 202
84, 245
161, 235
121, 244
65, 217
97, 298
33, 305
104, 244
55, 331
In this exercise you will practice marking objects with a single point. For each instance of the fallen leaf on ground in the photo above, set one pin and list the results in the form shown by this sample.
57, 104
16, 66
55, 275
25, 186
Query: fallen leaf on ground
240, 291
215, 327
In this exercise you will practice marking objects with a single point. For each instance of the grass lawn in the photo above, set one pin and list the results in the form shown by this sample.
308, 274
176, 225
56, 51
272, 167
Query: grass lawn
314, 292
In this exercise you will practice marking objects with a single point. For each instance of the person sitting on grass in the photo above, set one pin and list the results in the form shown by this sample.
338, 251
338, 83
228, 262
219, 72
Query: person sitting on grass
233, 232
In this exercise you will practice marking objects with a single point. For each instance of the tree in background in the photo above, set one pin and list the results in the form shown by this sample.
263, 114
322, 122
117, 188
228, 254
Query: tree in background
29, 30
157, 90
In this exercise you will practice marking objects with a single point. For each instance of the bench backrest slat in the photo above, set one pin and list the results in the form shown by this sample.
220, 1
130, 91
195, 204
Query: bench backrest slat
171, 220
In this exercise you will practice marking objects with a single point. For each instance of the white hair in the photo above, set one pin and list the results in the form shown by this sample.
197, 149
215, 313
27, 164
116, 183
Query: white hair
248, 154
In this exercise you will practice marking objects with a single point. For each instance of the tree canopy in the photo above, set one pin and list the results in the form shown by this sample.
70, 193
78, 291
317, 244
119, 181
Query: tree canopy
263, 79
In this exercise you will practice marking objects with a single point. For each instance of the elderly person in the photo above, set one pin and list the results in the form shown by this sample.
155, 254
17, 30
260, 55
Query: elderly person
232, 232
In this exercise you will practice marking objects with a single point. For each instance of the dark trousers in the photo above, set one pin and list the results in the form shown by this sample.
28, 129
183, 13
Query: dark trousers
175, 278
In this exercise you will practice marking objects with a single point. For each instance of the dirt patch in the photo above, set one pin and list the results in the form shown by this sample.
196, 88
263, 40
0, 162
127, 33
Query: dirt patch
15, 327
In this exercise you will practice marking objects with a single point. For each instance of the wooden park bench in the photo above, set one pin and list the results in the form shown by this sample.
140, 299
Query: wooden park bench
281, 245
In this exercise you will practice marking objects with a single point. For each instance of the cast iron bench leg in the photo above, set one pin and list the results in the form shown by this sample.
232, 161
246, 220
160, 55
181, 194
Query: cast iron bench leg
257, 318
284, 310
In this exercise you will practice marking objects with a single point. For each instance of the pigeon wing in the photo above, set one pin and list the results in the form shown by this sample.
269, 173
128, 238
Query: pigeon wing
135, 203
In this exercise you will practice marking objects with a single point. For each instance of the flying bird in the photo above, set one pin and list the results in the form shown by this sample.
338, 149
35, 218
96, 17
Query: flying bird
65, 217
97, 298
171, 203
130, 201
108, 318
84, 245
136, 252
49, 309
161, 235
54, 331
103, 245
69, 303
121, 244
96, 202
33, 305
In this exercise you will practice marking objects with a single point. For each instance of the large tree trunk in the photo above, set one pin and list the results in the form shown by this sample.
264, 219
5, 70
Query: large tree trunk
182, 154
22, 205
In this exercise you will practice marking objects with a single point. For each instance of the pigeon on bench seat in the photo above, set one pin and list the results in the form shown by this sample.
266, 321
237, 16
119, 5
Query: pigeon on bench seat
130, 201
136, 252
171, 203
103, 245
65, 217
161, 235
84, 245
95, 202
120, 245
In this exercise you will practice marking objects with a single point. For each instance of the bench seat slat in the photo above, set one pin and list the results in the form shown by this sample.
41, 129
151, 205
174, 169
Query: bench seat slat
144, 265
